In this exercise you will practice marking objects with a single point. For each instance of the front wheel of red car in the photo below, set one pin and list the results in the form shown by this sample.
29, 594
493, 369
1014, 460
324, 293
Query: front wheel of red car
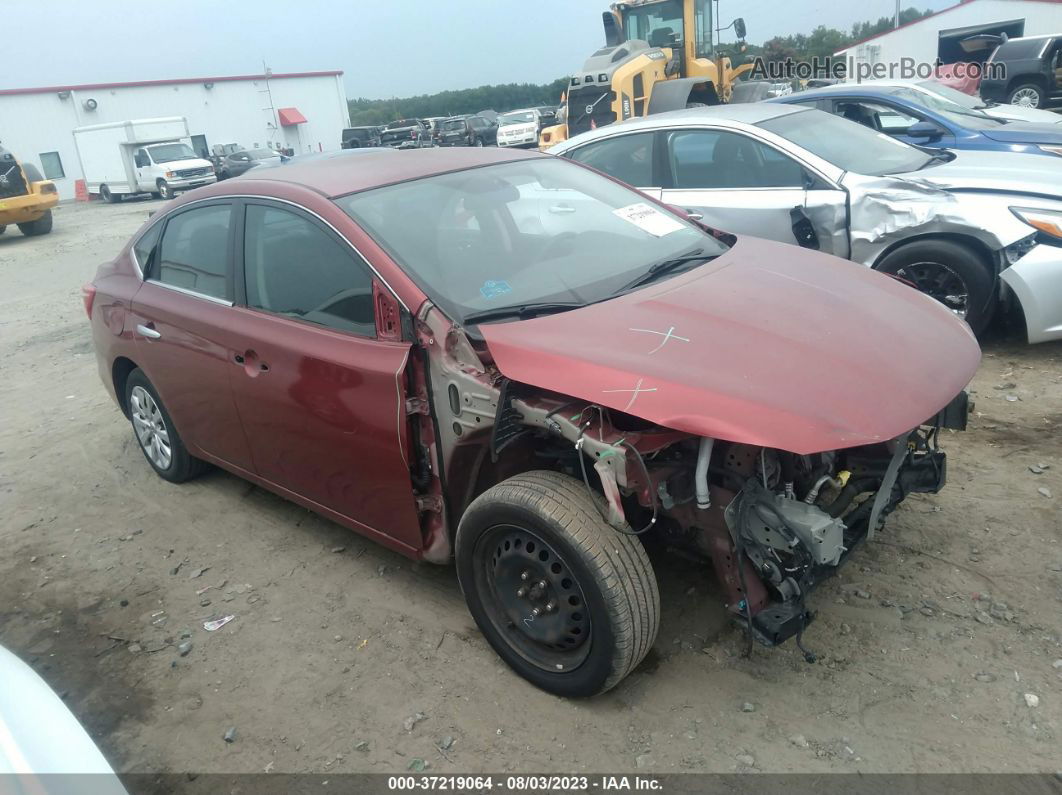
155, 432
949, 272
569, 603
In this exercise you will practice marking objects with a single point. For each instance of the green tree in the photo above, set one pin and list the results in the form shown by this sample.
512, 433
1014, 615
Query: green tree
499, 98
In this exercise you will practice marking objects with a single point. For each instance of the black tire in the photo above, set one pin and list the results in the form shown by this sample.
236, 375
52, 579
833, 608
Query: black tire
182, 466
41, 226
606, 604
478, 141
933, 265
107, 196
3, 228
1028, 90
165, 191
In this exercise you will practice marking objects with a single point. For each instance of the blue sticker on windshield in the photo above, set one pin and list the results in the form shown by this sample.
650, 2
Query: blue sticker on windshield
494, 289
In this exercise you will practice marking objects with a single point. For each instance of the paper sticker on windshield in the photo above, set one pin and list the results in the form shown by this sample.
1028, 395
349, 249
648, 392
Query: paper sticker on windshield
649, 219
494, 289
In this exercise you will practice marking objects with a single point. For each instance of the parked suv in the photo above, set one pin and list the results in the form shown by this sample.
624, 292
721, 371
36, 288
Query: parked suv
357, 137
522, 127
1033, 75
466, 131
406, 134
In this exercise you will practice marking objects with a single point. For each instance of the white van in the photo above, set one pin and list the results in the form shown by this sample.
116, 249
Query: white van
140, 156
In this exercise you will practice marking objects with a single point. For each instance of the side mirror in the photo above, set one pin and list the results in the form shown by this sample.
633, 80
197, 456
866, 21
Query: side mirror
925, 129
739, 27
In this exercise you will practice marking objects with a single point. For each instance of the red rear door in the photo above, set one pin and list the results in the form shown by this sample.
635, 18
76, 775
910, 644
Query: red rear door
321, 399
180, 319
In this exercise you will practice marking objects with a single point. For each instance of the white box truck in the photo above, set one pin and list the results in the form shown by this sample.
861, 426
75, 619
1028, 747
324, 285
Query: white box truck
140, 156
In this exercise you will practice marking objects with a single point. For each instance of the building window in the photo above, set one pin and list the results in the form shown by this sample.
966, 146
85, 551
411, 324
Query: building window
52, 165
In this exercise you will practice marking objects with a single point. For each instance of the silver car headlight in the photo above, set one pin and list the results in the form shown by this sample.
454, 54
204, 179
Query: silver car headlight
1048, 222
1054, 150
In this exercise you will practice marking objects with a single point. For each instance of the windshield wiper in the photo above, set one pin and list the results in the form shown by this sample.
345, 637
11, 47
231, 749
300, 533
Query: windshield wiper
521, 311
665, 267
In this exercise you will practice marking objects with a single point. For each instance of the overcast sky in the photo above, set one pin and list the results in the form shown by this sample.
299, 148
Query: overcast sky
385, 47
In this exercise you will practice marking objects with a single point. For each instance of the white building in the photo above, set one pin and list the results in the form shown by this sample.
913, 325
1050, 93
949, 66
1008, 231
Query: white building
937, 35
304, 111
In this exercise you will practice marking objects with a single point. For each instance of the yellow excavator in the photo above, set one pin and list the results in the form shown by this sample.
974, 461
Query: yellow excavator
659, 55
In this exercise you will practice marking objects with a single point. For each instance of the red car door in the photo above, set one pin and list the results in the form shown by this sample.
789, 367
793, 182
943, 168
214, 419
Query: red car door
180, 319
321, 399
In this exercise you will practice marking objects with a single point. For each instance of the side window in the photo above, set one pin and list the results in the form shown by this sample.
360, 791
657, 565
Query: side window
626, 157
193, 254
141, 159
296, 269
717, 159
144, 247
876, 116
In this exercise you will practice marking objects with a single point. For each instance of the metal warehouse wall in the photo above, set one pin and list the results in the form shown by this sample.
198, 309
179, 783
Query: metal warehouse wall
229, 111
919, 40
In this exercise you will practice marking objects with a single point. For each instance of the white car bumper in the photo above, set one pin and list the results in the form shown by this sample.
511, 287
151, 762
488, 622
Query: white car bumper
1036, 281
518, 135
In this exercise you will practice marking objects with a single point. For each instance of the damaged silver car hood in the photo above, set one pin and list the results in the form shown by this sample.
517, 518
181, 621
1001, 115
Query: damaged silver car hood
1002, 172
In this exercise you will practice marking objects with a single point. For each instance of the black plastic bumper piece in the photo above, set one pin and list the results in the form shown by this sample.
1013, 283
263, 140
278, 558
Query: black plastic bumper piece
780, 621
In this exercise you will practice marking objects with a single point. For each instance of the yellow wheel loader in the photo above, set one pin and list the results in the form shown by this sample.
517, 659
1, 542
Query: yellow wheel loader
658, 56
26, 198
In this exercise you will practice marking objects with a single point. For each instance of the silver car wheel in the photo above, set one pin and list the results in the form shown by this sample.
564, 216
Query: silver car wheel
150, 428
1026, 98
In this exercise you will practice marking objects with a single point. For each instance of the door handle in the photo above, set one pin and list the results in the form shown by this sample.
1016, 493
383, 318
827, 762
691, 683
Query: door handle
147, 331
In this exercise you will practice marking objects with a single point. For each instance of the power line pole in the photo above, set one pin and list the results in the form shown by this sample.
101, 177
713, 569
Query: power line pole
896, 17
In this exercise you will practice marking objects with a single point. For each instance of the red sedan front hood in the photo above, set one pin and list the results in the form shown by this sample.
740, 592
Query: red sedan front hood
768, 345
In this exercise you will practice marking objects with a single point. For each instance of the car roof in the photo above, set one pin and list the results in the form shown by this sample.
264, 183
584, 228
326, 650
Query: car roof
747, 112
339, 176
882, 89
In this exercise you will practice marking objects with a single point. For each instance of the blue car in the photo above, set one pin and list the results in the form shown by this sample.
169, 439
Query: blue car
930, 121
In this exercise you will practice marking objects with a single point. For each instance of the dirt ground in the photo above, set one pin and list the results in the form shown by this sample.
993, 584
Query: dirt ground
345, 657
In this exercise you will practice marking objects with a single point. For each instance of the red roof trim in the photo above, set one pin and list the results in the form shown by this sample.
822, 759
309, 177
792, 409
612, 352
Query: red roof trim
960, 4
180, 80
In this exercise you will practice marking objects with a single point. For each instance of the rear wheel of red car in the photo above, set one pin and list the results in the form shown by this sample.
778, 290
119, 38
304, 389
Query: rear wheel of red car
569, 603
155, 432
953, 274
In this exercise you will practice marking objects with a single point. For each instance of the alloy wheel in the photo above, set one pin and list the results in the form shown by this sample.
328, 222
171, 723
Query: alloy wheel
532, 597
1026, 98
150, 428
939, 282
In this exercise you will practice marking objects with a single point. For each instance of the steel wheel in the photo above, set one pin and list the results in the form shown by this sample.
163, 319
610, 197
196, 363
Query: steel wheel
939, 282
536, 603
165, 191
1026, 97
150, 427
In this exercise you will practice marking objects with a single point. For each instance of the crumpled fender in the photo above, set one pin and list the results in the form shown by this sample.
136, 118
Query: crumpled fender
888, 210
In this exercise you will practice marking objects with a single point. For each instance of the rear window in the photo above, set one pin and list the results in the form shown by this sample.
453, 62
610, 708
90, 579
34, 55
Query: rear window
1019, 48
454, 124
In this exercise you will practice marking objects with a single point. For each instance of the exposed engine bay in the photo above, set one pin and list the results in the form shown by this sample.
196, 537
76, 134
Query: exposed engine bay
773, 523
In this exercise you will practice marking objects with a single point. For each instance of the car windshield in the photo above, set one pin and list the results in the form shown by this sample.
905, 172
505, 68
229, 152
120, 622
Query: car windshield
643, 21
965, 117
454, 124
529, 232
847, 144
167, 153
516, 117
956, 96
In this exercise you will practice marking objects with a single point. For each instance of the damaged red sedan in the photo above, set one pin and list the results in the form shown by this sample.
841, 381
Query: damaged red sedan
509, 360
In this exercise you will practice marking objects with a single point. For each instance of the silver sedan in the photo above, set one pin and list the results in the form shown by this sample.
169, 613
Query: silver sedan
957, 225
